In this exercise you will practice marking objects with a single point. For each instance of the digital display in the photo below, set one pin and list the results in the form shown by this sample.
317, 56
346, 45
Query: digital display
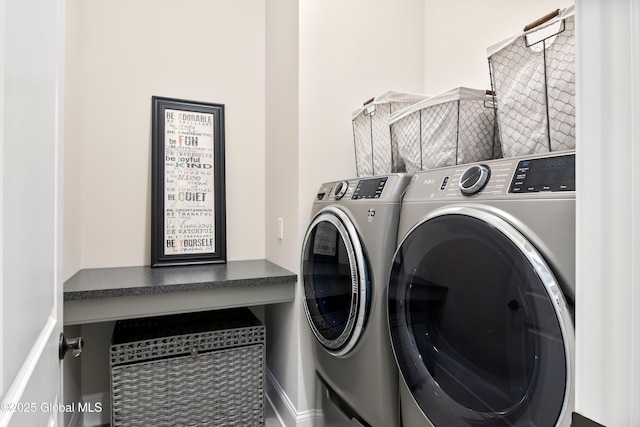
369, 188
546, 174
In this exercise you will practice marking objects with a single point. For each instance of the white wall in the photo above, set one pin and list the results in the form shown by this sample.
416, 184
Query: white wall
458, 33
126, 52
608, 208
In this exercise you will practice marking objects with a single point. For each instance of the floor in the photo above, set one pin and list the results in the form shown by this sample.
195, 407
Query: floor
270, 419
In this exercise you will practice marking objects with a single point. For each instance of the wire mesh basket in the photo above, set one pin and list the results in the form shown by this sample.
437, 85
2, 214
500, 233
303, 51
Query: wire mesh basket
452, 128
374, 151
533, 76
196, 369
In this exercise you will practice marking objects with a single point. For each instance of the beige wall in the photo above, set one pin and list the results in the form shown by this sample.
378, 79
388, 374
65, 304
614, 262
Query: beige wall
349, 52
284, 353
458, 33
124, 53
282, 143
72, 143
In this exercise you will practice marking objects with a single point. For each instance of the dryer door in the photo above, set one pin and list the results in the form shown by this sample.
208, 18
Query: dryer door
335, 281
478, 323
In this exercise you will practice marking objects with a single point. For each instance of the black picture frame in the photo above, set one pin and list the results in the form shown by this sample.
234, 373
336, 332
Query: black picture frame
188, 204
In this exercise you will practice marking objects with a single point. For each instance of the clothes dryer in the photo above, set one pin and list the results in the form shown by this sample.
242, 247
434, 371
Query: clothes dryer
480, 294
346, 258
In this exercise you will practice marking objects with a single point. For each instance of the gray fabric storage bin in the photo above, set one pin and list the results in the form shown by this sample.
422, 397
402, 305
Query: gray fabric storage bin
195, 369
452, 128
375, 154
533, 76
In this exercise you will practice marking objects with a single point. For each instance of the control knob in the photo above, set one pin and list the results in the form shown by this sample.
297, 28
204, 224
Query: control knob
474, 179
341, 189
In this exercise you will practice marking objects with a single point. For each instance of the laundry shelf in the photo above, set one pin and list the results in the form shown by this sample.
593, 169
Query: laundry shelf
102, 294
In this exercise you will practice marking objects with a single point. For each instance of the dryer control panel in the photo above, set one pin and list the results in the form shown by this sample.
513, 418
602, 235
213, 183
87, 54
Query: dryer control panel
503, 178
370, 188
547, 174
383, 188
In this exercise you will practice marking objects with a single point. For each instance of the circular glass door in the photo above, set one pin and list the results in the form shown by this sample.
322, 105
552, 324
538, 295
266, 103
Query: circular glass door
335, 281
478, 324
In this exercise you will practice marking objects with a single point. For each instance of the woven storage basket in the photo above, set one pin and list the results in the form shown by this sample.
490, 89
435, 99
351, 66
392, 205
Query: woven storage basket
196, 369
533, 76
452, 128
375, 153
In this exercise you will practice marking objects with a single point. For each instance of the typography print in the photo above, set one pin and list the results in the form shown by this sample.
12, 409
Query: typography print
189, 200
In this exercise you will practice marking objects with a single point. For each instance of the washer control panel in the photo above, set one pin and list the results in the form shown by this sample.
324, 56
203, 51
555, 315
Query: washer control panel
543, 173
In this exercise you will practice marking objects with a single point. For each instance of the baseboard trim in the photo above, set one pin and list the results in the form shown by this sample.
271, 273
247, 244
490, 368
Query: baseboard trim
284, 409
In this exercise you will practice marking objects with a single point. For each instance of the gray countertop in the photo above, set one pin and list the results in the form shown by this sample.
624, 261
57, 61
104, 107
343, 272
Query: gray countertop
97, 283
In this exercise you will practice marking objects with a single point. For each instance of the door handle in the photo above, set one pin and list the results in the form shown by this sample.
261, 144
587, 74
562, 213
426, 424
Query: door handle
73, 344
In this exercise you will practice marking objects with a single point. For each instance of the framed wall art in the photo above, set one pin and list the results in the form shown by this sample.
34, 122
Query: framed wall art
188, 220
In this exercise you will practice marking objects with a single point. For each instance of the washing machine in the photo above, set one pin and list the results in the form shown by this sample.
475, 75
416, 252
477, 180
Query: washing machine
346, 258
481, 294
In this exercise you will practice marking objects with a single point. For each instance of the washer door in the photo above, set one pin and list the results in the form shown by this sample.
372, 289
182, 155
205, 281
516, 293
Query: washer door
479, 326
335, 281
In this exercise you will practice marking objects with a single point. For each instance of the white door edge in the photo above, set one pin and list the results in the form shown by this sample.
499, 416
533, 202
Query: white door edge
17, 387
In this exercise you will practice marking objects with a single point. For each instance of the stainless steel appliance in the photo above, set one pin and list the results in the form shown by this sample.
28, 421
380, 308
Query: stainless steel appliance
480, 294
346, 257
